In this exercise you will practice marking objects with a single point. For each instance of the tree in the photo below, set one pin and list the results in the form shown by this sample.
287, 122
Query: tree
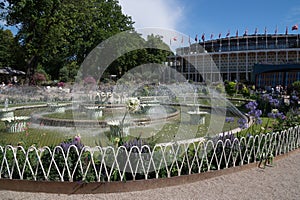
55, 33
158, 53
10, 55
7, 40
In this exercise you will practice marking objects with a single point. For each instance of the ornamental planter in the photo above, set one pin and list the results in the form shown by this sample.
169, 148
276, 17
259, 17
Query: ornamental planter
197, 117
94, 112
16, 124
6, 113
57, 108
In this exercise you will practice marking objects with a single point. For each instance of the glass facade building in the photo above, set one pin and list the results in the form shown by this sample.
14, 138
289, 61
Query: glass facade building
233, 58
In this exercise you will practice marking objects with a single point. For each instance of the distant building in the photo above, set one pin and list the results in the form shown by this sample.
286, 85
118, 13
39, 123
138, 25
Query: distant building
235, 57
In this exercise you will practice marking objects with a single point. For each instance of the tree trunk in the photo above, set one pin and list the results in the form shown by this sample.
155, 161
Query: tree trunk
31, 66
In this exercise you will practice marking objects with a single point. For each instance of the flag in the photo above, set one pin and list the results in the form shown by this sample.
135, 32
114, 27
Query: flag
220, 35
286, 30
276, 30
175, 39
196, 38
246, 32
228, 33
295, 27
256, 30
237, 33
211, 36
265, 30
203, 37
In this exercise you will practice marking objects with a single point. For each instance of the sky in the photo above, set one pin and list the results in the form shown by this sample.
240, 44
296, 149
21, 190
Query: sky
195, 17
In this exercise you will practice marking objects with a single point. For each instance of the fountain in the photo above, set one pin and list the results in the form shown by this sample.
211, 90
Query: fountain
6, 112
94, 112
196, 116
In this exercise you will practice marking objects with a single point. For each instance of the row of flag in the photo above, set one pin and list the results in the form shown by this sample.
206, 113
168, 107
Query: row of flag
295, 27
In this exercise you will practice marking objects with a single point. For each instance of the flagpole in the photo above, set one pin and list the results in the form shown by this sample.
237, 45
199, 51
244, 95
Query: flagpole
196, 61
182, 53
247, 46
237, 56
297, 47
276, 44
228, 49
220, 49
286, 46
229, 75
211, 36
256, 44
266, 59
189, 61
203, 41
212, 44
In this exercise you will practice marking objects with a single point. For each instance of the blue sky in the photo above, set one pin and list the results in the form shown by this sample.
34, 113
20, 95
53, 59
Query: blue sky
192, 17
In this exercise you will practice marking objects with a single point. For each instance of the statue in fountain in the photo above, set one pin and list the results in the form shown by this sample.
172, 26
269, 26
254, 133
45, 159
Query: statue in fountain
197, 116
6, 104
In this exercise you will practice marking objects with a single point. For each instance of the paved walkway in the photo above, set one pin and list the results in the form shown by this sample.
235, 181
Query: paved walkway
281, 181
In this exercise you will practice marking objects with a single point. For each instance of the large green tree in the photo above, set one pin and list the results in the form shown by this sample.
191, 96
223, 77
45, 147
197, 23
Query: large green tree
157, 53
6, 45
10, 53
55, 33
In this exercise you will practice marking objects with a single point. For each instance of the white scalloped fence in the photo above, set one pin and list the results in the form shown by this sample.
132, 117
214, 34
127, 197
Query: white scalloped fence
97, 164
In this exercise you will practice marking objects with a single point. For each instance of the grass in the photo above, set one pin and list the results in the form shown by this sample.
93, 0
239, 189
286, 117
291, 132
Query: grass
37, 137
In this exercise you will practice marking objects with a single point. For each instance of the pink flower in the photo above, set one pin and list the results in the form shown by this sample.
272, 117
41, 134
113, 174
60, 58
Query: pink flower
77, 138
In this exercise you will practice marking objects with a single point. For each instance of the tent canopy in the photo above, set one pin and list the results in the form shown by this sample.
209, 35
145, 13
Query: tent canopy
11, 71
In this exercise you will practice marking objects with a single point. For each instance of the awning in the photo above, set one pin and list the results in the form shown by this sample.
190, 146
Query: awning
11, 71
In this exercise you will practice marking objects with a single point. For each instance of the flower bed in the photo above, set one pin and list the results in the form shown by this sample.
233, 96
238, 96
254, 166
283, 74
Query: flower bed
72, 161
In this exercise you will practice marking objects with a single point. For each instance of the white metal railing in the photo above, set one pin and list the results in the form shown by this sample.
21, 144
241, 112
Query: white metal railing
75, 162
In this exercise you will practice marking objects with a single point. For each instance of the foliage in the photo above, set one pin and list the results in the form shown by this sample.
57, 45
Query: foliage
52, 33
38, 78
140, 55
10, 52
220, 88
296, 87
230, 88
68, 72
245, 91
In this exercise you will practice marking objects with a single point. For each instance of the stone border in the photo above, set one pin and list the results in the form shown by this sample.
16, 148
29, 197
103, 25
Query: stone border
116, 187
46, 121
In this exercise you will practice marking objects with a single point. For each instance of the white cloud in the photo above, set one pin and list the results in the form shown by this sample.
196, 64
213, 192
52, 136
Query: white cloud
164, 16
153, 13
